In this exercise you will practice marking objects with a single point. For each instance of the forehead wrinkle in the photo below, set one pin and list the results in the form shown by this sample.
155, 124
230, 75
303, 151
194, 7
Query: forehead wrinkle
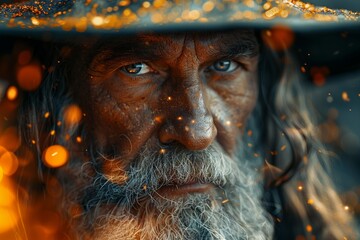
241, 42
163, 45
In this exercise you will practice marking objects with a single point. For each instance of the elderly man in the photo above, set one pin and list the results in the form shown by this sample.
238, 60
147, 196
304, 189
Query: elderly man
180, 135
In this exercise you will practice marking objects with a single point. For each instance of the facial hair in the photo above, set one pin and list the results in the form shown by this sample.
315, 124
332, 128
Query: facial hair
136, 210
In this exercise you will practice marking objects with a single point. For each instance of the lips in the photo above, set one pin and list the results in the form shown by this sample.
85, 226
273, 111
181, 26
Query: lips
184, 189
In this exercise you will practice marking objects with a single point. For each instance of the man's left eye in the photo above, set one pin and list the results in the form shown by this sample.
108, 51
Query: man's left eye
224, 66
136, 69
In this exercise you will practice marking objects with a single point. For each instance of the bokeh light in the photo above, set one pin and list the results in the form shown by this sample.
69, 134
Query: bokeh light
7, 195
24, 57
12, 93
55, 156
29, 77
8, 214
97, 21
47, 224
9, 163
1, 173
72, 114
319, 75
8, 219
278, 38
9, 139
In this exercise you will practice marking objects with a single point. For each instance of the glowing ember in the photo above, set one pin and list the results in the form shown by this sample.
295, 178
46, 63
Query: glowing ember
309, 228
162, 151
46, 115
345, 96
158, 119
55, 156
310, 201
300, 188
78, 139
72, 114
35, 21
12, 93
97, 21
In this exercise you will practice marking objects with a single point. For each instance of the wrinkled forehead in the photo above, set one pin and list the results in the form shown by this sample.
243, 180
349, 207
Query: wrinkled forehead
161, 44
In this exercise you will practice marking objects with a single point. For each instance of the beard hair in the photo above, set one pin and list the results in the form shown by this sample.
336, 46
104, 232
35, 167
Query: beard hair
135, 210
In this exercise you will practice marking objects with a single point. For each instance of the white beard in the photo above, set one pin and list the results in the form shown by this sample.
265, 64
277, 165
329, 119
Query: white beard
231, 211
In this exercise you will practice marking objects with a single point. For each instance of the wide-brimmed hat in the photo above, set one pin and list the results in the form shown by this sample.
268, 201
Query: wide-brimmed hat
336, 28
124, 16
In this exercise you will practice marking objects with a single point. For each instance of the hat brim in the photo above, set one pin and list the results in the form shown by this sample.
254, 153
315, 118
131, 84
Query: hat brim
80, 19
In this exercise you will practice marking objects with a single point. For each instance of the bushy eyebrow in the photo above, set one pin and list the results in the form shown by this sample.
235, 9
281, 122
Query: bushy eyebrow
243, 49
150, 48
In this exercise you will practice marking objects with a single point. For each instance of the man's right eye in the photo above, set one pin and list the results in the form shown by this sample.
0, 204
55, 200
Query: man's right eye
136, 69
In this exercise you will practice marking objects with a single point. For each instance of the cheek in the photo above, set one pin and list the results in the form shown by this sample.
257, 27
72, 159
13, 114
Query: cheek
239, 98
119, 125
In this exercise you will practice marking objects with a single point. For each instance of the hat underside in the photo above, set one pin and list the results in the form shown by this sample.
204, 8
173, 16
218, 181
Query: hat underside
121, 16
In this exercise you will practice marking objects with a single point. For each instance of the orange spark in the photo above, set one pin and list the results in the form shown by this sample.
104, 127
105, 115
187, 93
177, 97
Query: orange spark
72, 114
12, 93
345, 96
55, 156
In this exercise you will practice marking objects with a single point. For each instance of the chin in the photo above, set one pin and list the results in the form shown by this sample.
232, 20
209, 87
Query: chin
179, 195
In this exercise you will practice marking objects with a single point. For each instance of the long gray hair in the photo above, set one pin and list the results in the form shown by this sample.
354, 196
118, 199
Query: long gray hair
296, 162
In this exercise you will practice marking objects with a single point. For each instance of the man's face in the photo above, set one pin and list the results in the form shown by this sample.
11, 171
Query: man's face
162, 90
165, 114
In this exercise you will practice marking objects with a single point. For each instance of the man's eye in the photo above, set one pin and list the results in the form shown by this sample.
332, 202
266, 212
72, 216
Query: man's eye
136, 69
224, 66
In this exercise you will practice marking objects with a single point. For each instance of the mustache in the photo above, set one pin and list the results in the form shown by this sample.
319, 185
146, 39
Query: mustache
152, 169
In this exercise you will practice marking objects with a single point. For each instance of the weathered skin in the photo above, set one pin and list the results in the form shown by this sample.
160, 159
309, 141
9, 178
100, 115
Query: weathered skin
180, 99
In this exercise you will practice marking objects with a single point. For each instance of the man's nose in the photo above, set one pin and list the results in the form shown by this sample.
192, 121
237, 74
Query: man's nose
188, 119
